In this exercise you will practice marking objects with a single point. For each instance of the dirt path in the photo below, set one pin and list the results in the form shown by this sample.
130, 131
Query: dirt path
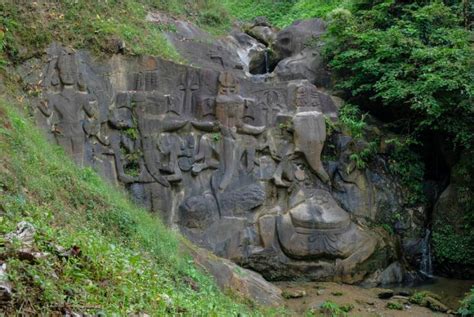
365, 301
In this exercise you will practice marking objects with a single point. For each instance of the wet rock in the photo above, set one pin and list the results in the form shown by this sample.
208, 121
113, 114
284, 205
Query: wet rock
393, 274
434, 304
405, 293
6, 293
263, 34
384, 293
293, 294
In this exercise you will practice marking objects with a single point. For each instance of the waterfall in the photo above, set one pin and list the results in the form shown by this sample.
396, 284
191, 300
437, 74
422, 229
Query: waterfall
267, 67
426, 266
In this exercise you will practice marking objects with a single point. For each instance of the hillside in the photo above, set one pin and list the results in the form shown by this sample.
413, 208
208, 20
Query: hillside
91, 250
236, 158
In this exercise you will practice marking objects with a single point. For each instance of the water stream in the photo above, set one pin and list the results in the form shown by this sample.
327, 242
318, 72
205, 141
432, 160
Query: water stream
426, 265
265, 58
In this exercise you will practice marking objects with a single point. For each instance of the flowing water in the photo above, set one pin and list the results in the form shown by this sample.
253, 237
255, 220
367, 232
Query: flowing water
267, 66
426, 265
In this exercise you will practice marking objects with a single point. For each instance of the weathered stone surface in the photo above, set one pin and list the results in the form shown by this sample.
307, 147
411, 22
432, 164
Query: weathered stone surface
393, 274
384, 293
6, 291
309, 136
233, 162
434, 304
307, 64
231, 277
293, 39
263, 33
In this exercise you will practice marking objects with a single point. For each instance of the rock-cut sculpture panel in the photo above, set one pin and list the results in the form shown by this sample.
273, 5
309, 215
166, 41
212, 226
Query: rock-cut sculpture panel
235, 165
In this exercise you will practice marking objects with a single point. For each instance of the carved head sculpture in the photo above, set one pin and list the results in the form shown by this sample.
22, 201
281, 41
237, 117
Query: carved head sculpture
229, 105
228, 84
301, 96
67, 67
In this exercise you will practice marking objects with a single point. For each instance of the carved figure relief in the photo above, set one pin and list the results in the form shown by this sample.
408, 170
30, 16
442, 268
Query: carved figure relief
270, 103
189, 83
232, 163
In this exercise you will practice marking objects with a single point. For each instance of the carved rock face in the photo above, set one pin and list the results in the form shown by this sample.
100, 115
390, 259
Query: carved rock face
217, 155
198, 211
319, 212
317, 228
309, 136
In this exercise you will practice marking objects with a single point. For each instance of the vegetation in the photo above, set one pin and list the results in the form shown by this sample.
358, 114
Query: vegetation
452, 246
411, 59
409, 167
410, 64
394, 306
467, 305
281, 13
100, 26
102, 254
329, 308
418, 298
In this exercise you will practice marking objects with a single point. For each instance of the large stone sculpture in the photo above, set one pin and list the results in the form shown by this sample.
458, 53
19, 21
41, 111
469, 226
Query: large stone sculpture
309, 136
230, 113
235, 165
317, 228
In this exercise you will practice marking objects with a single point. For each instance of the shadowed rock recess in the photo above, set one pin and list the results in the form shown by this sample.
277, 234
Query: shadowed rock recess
231, 159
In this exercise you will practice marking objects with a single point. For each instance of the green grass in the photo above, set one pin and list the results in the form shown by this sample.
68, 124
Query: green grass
129, 262
27, 29
281, 13
94, 25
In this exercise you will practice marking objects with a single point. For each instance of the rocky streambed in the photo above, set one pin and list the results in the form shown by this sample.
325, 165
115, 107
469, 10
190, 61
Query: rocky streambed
438, 297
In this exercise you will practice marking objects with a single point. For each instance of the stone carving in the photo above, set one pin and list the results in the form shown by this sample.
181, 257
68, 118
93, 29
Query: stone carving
309, 136
65, 110
188, 85
146, 81
230, 113
270, 104
234, 164
319, 228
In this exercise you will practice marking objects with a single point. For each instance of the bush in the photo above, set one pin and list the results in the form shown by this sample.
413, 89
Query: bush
467, 305
409, 60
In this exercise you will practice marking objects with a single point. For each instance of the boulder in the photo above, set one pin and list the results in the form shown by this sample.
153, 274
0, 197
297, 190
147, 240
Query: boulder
294, 38
384, 293
263, 34
307, 64
231, 277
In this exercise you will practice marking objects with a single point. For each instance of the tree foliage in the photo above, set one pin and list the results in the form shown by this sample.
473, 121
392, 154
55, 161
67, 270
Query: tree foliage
411, 58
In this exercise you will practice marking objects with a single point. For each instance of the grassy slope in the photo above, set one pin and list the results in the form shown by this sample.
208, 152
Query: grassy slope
26, 29
129, 262
281, 13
